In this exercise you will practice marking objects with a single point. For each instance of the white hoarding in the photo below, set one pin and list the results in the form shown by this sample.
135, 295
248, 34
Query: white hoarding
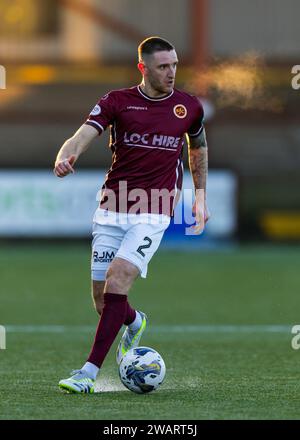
36, 203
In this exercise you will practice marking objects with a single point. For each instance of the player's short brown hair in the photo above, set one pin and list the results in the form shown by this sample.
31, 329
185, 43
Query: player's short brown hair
153, 44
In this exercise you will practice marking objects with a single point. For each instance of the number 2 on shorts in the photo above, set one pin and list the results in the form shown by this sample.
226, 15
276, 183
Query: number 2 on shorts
144, 246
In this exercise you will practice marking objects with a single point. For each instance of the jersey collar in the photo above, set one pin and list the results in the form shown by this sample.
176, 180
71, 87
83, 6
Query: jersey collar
154, 99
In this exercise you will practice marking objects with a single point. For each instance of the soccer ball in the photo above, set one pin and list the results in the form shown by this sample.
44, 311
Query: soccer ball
142, 370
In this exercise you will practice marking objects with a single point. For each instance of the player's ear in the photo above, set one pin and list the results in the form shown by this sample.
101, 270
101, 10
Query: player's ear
141, 67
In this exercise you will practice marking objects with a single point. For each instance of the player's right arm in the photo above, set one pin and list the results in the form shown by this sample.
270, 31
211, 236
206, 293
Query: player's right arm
72, 149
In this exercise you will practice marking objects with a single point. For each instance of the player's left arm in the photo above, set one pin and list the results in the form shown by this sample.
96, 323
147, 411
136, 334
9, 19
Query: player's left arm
198, 163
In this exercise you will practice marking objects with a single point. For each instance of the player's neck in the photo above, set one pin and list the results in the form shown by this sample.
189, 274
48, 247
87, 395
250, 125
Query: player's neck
152, 93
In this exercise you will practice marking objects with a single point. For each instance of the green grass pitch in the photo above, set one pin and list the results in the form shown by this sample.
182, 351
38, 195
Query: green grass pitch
211, 316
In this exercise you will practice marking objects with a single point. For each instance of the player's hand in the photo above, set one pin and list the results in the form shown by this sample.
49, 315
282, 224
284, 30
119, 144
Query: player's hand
202, 215
64, 167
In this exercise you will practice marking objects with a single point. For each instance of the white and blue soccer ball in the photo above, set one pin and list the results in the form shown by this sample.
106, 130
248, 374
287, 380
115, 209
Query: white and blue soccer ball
142, 370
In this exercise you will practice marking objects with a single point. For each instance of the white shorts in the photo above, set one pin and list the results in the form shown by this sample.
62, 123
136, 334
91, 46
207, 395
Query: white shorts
134, 237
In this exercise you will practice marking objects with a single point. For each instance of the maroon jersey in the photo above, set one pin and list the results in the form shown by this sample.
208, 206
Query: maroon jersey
146, 138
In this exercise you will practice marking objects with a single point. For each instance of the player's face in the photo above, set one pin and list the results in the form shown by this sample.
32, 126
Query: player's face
160, 70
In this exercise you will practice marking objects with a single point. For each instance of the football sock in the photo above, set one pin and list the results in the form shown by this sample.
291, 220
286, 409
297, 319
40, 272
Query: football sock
91, 370
130, 315
136, 324
112, 319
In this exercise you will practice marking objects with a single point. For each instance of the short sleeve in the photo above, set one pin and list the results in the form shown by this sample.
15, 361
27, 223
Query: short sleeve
197, 124
103, 113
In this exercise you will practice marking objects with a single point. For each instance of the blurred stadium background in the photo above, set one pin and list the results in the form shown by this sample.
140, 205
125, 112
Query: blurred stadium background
60, 56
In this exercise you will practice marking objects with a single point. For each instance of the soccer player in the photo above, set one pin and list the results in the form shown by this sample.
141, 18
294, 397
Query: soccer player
147, 125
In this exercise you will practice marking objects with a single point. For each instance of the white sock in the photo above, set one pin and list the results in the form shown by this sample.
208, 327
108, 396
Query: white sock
91, 370
135, 325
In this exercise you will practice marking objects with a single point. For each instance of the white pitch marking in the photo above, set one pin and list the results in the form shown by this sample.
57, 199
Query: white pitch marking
155, 328
107, 384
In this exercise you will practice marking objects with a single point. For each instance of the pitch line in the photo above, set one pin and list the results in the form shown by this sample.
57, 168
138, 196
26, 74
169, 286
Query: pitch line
155, 329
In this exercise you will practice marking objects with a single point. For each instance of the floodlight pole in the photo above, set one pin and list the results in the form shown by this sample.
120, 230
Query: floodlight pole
199, 10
